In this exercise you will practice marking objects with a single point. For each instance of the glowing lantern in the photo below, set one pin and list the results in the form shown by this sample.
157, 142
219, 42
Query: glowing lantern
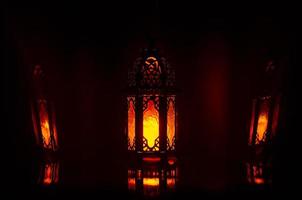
264, 120
263, 129
43, 116
151, 97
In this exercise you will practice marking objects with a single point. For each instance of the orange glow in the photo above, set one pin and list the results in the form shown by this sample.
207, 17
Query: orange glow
151, 159
171, 121
151, 187
262, 126
51, 174
255, 173
44, 122
151, 182
131, 183
151, 125
259, 181
171, 161
171, 183
131, 122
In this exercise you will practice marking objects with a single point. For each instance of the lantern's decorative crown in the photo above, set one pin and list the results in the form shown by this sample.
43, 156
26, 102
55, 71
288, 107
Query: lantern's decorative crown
150, 71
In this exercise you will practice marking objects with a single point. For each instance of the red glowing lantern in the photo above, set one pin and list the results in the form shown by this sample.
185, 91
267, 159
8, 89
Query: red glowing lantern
151, 100
263, 129
43, 116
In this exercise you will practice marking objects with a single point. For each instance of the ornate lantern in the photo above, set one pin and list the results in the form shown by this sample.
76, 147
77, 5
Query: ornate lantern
151, 101
263, 128
43, 116
151, 129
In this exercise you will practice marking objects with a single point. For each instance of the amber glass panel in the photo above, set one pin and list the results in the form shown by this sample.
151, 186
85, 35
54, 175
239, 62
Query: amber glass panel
171, 182
171, 120
151, 124
44, 123
262, 121
131, 122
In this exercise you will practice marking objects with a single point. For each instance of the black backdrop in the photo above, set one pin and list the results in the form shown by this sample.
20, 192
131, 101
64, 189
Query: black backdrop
219, 57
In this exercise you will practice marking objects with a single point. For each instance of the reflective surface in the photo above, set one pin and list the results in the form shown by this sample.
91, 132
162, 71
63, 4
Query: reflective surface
152, 179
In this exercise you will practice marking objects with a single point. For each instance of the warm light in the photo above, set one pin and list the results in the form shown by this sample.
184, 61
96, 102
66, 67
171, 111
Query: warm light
171, 122
44, 122
151, 125
255, 173
171, 161
51, 173
151, 159
151, 186
171, 183
47, 175
259, 181
131, 122
262, 126
151, 181
131, 183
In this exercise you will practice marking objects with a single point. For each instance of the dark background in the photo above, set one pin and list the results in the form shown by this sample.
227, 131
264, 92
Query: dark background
219, 56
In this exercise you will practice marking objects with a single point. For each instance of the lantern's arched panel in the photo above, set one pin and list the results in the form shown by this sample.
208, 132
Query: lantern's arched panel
262, 123
171, 114
151, 123
44, 123
43, 116
131, 123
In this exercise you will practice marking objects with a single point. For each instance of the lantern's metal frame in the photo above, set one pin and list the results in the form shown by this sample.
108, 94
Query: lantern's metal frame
157, 87
39, 96
259, 163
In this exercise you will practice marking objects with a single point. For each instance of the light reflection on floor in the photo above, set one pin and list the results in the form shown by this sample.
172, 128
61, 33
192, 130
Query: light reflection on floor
258, 173
152, 180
